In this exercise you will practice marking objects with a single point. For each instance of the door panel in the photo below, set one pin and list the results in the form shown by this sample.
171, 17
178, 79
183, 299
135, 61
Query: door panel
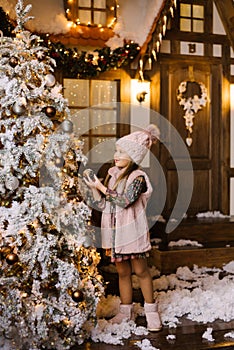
204, 151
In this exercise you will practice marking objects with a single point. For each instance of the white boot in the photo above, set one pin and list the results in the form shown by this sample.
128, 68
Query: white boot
125, 313
152, 317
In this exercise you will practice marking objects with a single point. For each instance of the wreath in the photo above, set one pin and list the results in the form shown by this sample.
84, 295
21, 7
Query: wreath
191, 96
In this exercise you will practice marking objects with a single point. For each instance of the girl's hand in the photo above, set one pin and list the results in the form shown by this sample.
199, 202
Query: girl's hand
93, 182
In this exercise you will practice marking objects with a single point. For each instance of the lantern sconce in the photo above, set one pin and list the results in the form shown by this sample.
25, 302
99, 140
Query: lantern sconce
140, 92
141, 96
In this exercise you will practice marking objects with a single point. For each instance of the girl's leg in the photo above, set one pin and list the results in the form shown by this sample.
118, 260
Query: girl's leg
143, 273
124, 270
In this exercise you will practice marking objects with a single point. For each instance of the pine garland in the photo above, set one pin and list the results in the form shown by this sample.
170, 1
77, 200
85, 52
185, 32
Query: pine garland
75, 64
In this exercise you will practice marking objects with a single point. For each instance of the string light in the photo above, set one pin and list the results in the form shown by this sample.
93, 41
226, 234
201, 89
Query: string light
72, 8
159, 32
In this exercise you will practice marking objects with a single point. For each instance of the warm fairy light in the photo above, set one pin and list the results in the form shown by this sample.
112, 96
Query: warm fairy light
141, 64
157, 45
154, 55
172, 11
150, 63
74, 8
69, 24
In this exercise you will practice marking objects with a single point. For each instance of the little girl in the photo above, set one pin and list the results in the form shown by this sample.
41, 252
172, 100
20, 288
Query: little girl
123, 198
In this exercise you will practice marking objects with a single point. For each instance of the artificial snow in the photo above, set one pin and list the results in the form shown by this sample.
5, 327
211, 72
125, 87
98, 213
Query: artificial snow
208, 334
115, 333
184, 243
145, 345
200, 294
170, 337
212, 214
229, 335
134, 19
49, 16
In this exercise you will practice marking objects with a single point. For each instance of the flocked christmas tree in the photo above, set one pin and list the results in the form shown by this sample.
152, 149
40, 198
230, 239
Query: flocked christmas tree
49, 282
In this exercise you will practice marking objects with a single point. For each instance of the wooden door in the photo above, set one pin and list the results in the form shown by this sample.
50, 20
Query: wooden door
206, 135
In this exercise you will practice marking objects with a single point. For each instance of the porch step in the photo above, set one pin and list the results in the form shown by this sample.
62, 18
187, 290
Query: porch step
168, 261
215, 235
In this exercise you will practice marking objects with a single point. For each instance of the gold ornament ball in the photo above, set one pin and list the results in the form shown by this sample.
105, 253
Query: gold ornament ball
12, 258
13, 61
5, 251
50, 111
78, 296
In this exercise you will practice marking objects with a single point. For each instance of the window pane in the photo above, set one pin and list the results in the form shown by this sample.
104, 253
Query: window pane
99, 17
102, 149
198, 26
101, 4
80, 119
198, 11
85, 3
77, 92
85, 149
103, 122
103, 92
185, 10
185, 25
84, 16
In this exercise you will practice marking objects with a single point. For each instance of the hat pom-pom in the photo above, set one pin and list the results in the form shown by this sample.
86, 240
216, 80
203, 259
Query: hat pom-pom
154, 132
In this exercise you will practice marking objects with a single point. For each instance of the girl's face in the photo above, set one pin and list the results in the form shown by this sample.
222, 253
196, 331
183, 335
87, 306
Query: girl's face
121, 158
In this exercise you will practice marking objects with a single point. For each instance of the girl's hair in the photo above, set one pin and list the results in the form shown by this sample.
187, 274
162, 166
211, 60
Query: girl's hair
130, 167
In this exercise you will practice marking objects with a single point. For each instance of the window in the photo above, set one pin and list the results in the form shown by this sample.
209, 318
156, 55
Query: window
191, 18
91, 12
94, 109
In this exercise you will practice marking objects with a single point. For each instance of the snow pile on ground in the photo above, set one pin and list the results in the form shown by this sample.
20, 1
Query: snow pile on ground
200, 294
208, 334
145, 345
203, 295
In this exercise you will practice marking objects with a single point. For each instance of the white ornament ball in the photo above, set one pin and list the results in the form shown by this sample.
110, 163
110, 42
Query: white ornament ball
18, 109
50, 80
12, 183
67, 126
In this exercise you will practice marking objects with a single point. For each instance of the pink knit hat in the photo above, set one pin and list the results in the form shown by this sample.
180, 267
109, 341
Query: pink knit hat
138, 143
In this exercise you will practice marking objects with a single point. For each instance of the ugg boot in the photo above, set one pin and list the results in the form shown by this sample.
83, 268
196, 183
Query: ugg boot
125, 313
152, 317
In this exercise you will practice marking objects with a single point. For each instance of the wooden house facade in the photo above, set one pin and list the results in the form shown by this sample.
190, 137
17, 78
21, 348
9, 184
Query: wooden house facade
190, 41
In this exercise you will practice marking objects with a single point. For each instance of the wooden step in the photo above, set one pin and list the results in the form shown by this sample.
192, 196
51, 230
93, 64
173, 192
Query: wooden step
168, 261
215, 235
207, 231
